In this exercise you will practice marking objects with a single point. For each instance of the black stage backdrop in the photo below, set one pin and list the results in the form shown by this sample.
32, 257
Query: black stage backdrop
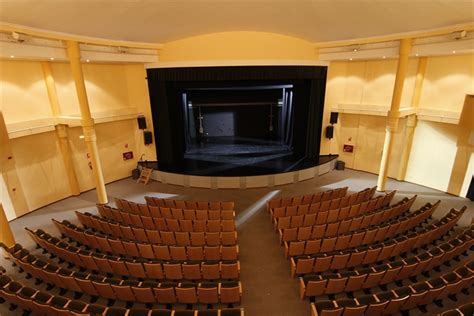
167, 84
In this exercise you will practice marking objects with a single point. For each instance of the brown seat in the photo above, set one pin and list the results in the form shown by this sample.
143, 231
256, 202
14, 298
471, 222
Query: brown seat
195, 253
230, 269
154, 270
165, 293
208, 293
172, 271
178, 253
210, 270
186, 293
191, 271
144, 293
230, 292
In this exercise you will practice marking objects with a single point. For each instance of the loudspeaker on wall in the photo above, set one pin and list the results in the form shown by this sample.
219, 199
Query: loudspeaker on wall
148, 137
329, 132
333, 118
141, 122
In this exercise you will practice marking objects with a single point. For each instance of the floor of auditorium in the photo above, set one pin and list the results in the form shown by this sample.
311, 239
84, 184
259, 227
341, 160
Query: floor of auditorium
265, 273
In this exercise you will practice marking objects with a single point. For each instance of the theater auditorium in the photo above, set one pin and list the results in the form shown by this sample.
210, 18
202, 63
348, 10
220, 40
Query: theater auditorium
236, 158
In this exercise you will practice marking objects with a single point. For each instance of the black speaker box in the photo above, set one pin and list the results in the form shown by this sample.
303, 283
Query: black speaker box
333, 118
148, 137
141, 122
329, 132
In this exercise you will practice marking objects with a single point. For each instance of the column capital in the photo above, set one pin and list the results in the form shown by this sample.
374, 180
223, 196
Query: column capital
411, 120
392, 124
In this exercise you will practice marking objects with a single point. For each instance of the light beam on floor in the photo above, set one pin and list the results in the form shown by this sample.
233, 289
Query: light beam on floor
254, 208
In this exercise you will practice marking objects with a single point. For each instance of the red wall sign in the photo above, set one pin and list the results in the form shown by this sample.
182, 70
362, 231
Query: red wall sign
348, 148
128, 155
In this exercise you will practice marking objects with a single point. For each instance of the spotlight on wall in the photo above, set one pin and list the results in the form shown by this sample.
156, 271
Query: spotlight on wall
122, 50
17, 37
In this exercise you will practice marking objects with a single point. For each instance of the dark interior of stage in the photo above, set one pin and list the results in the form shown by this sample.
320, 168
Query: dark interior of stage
237, 121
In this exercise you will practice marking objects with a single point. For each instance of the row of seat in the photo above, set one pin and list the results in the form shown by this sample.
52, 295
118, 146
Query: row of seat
376, 252
195, 205
307, 199
111, 228
146, 250
303, 215
463, 310
361, 236
167, 224
44, 303
364, 278
138, 268
176, 213
130, 291
347, 225
402, 298
124, 247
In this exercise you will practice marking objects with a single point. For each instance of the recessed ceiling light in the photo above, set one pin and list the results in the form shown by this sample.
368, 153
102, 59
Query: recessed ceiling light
52, 58
11, 56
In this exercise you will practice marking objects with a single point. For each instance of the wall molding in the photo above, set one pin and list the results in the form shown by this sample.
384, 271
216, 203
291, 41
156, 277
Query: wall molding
423, 114
47, 124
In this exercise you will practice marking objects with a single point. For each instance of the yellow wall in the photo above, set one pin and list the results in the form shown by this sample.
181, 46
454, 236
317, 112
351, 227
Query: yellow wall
39, 164
370, 83
23, 93
432, 155
447, 80
234, 46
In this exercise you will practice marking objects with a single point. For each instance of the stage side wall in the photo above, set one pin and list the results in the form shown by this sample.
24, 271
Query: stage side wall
368, 85
117, 93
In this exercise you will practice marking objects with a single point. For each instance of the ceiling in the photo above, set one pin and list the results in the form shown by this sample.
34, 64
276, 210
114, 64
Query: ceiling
160, 21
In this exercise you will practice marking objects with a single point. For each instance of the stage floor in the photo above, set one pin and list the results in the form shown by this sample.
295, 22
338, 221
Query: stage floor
233, 157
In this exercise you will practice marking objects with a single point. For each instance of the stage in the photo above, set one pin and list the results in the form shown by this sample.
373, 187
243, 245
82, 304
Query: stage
307, 169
